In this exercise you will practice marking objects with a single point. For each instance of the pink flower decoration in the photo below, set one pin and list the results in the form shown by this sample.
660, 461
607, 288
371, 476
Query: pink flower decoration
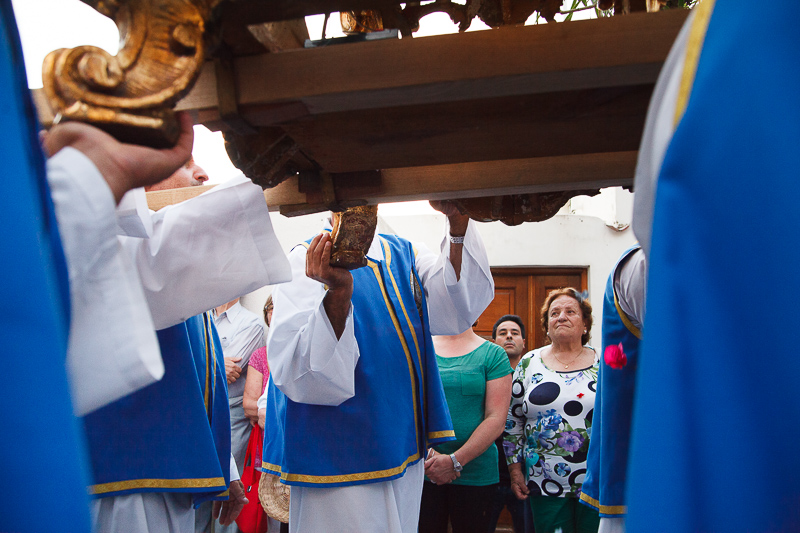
615, 356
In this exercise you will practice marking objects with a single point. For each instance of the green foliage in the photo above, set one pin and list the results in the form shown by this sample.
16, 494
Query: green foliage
680, 4
581, 5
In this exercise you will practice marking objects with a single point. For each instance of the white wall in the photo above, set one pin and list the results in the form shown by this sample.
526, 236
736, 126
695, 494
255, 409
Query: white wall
566, 240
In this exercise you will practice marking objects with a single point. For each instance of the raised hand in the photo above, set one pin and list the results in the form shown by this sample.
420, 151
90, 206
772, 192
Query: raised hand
318, 264
339, 281
123, 166
458, 221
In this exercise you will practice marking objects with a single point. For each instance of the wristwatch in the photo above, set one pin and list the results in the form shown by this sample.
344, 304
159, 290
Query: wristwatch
456, 465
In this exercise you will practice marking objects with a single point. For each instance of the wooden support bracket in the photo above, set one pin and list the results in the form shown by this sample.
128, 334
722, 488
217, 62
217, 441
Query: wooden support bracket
227, 95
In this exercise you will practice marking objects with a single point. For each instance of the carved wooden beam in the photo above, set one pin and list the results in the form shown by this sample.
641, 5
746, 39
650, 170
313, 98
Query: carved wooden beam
441, 182
523, 110
513, 210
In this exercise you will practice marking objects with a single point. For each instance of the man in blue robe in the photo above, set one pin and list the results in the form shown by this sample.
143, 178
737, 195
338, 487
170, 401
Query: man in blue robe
355, 397
712, 388
43, 444
36, 405
623, 320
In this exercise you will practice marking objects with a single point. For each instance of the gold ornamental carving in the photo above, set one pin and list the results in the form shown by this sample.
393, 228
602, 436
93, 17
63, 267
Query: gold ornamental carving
515, 209
163, 45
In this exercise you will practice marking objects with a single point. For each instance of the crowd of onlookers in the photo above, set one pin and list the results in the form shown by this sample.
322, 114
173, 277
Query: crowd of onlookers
381, 408
522, 421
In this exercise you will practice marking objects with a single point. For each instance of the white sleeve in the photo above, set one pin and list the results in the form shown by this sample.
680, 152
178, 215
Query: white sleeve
263, 399
454, 305
207, 251
306, 361
234, 470
113, 350
630, 283
658, 130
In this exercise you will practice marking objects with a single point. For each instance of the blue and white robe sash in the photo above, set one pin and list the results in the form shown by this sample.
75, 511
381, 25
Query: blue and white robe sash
174, 435
604, 486
398, 409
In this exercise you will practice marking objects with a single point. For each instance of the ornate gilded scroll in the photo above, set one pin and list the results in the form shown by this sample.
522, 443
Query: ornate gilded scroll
131, 95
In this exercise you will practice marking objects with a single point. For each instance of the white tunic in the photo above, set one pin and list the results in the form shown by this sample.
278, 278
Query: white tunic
113, 349
201, 253
310, 365
658, 129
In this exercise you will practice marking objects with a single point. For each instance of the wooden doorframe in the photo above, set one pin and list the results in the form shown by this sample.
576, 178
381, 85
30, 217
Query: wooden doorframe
583, 272
528, 302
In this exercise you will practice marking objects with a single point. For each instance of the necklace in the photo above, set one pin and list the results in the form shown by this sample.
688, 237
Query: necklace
566, 365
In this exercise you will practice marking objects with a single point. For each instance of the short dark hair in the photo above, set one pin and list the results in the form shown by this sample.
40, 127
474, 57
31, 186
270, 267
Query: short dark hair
508, 318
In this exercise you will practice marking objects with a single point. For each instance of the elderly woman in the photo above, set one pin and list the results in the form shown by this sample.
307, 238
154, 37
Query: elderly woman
550, 419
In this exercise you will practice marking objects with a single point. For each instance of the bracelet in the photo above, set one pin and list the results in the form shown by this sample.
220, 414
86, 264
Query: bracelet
456, 465
456, 239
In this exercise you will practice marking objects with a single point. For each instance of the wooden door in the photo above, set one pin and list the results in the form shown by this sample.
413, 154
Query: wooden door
522, 291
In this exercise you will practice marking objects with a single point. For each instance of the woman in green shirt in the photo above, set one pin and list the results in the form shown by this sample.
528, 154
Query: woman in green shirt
461, 475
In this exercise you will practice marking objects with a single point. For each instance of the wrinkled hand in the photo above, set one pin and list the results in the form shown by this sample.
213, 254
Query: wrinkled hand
123, 166
232, 370
229, 510
518, 484
318, 265
458, 221
262, 417
439, 469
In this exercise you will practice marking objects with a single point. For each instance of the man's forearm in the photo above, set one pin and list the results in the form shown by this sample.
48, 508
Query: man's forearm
337, 307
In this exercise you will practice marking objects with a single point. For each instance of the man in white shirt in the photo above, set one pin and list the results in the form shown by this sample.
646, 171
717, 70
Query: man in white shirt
360, 398
240, 333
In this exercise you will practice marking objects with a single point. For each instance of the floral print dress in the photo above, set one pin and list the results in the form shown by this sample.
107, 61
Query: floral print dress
549, 424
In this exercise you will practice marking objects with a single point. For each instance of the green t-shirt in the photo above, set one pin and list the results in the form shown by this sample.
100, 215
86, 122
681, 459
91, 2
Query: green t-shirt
464, 379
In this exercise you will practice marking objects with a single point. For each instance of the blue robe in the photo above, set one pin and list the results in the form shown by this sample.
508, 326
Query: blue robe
173, 435
398, 409
42, 447
715, 432
607, 463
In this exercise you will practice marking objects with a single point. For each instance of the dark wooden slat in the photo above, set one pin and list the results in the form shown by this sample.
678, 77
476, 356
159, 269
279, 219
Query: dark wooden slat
485, 178
465, 180
556, 124
611, 52
614, 51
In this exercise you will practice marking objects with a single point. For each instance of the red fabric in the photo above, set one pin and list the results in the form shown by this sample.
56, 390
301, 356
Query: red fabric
253, 519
